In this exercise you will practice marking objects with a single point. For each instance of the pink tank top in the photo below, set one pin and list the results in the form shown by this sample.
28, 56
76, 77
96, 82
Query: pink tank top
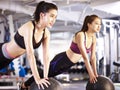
75, 48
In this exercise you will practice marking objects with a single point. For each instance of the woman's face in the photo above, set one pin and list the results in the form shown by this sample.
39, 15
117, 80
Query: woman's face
95, 26
50, 18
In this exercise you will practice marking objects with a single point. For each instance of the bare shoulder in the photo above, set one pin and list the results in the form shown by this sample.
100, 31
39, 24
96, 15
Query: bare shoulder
27, 25
94, 38
47, 32
80, 35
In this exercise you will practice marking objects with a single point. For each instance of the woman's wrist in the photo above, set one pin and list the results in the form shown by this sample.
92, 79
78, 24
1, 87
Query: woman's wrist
37, 78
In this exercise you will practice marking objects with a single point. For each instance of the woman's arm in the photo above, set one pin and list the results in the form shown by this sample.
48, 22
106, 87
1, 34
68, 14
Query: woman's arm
80, 42
93, 57
45, 45
28, 34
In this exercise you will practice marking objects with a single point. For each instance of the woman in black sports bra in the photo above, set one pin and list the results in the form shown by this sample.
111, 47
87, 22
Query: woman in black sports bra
29, 37
83, 42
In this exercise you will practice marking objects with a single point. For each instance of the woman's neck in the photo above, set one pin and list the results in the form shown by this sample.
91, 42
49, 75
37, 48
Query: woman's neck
89, 34
39, 26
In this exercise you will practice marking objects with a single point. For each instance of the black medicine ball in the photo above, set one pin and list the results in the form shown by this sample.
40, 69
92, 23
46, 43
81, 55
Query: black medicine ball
103, 83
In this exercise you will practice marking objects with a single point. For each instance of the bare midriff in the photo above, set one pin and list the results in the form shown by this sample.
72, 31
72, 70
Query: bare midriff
74, 57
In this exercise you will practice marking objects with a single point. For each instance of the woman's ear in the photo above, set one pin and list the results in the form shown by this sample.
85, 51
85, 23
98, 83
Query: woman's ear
88, 24
42, 14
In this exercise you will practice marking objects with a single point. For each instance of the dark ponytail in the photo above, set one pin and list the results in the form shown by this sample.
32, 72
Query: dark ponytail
43, 7
88, 20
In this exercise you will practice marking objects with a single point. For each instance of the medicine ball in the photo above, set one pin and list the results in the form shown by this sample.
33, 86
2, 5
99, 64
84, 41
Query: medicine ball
54, 85
103, 83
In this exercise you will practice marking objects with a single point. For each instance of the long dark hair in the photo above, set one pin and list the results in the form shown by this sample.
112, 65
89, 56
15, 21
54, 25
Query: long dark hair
88, 20
43, 7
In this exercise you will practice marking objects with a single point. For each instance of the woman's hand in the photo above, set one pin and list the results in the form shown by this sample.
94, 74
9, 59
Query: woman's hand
93, 78
42, 82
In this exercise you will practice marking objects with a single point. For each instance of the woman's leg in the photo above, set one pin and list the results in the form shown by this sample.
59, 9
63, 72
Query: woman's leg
4, 62
58, 65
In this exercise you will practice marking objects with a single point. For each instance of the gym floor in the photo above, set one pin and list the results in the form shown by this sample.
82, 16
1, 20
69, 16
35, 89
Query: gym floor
81, 86
78, 83
73, 84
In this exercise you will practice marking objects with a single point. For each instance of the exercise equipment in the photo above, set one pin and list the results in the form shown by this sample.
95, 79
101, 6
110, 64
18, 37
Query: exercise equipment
55, 85
115, 76
101, 66
103, 83
18, 69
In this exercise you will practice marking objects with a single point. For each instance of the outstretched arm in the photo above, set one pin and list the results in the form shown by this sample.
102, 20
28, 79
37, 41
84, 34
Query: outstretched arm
80, 42
46, 60
93, 57
28, 34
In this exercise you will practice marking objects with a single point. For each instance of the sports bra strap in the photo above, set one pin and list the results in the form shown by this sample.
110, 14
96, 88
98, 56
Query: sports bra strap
34, 27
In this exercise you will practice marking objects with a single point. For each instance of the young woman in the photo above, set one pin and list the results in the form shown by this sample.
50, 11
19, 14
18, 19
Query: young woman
83, 42
29, 37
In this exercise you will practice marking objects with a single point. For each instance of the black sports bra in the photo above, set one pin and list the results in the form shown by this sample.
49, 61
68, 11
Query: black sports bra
20, 39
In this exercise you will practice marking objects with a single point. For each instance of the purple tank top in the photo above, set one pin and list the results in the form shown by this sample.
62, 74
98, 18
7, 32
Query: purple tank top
75, 48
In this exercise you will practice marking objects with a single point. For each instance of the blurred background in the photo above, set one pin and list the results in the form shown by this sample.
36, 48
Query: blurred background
71, 13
